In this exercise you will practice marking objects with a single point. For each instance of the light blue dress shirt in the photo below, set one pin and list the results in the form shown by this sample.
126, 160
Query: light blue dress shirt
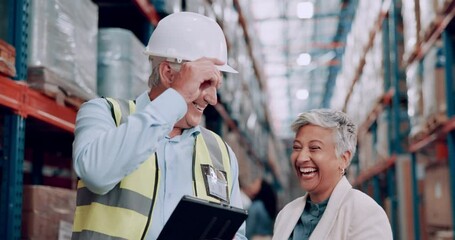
104, 154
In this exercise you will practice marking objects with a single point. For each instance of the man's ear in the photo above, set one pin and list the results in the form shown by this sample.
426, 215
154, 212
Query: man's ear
166, 74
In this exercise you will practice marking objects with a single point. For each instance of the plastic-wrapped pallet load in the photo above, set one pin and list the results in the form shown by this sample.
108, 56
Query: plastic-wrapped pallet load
63, 46
411, 26
123, 69
415, 100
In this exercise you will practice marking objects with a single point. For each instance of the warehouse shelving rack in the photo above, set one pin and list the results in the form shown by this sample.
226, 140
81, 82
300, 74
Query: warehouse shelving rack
446, 132
390, 104
381, 177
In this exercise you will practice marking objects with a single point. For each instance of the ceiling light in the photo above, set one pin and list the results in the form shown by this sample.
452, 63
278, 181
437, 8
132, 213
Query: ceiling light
305, 10
302, 94
304, 59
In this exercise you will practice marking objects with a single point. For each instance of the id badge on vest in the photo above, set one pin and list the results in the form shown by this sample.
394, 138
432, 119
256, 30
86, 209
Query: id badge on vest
215, 182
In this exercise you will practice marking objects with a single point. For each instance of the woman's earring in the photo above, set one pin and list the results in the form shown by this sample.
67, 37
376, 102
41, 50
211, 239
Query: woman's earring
342, 170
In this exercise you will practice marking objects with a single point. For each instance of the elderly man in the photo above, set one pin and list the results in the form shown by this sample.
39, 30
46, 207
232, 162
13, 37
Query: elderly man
136, 159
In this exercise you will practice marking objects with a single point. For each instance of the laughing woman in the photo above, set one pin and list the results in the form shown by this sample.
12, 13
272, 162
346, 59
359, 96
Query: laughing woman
324, 144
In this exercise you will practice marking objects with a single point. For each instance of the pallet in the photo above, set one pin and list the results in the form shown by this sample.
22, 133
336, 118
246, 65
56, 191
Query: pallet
51, 84
430, 30
60, 96
418, 136
435, 121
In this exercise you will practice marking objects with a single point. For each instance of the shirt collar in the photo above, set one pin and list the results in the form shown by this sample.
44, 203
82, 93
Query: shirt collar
142, 100
194, 131
316, 209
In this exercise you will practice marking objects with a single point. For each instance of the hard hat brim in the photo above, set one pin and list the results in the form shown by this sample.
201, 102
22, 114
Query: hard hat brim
224, 68
227, 68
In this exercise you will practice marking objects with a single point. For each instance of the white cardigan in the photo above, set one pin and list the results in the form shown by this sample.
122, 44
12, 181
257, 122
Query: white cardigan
350, 215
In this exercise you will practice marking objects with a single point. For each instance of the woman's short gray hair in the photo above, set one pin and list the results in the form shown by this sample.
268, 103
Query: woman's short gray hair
346, 130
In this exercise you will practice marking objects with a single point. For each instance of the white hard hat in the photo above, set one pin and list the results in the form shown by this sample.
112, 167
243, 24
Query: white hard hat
188, 36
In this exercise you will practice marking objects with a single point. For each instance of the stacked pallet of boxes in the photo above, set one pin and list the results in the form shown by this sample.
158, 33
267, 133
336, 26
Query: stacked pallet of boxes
61, 62
123, 69
47, 212
433, 81
425, 82
63, 47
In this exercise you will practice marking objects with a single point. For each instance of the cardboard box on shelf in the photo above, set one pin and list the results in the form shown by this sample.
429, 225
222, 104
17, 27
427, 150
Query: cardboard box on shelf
437, 196
47, 211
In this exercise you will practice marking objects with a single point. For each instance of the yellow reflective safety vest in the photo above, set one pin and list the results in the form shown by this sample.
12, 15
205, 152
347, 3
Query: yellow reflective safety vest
125, 212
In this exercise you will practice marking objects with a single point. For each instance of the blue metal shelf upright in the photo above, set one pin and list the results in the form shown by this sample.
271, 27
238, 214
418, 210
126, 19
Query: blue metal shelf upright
449, 54
398, 111
14, 130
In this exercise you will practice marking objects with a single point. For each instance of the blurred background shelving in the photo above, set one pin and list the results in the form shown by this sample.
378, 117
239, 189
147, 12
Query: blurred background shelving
386, 63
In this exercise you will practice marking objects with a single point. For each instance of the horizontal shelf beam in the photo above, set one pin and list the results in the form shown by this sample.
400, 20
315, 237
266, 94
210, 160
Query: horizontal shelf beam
148, 10
439, 133
375, 170
11, 93
384, 101
27, 102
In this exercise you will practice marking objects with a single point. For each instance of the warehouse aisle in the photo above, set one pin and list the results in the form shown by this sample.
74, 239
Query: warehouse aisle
387, 63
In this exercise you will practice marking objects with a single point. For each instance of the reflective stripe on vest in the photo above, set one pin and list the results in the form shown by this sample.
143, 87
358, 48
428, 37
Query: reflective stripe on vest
125, 211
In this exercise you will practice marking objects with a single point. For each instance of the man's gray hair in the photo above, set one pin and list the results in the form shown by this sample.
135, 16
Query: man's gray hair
345, 129
154, 79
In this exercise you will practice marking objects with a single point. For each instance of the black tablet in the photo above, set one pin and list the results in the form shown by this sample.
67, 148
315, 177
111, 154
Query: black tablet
198, 219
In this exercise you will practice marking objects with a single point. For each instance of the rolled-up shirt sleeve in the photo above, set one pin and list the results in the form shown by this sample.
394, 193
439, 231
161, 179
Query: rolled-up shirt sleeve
104, 154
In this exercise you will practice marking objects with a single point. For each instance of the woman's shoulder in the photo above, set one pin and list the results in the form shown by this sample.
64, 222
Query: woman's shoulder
367, 218
295, 203
362, 202
293, 206
290, 213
